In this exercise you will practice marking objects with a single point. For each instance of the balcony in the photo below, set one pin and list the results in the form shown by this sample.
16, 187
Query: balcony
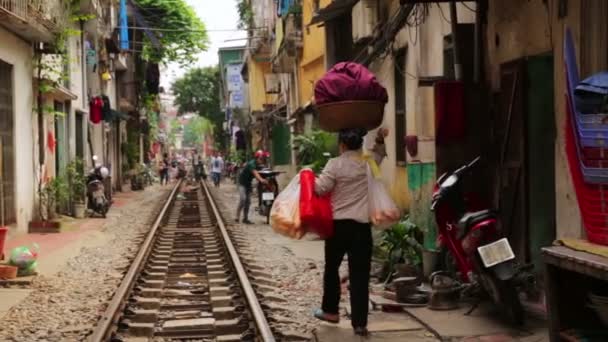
34, 20
289, 42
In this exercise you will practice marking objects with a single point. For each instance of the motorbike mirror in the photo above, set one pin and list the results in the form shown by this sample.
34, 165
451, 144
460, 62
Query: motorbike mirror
474, 161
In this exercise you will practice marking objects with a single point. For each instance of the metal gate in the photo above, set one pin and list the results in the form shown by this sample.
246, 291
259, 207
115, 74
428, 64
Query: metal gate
7, 143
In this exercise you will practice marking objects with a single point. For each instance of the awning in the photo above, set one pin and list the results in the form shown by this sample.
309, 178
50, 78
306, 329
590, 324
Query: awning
332, 11
306, 108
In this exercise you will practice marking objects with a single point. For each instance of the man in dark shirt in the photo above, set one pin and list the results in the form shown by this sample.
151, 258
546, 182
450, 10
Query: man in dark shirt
249, 172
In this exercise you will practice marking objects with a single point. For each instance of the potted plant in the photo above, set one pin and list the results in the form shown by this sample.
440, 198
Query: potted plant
52, 193
77, 184
403, 249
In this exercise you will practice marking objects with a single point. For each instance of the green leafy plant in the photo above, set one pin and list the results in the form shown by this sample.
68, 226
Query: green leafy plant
315, 149
245, 14
402, 244
54, 192
183, 37
76, 179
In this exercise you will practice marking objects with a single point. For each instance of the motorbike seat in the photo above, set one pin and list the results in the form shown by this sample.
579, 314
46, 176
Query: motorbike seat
471, 219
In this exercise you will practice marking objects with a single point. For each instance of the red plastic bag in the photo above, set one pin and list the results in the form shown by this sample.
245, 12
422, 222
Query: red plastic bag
315, 211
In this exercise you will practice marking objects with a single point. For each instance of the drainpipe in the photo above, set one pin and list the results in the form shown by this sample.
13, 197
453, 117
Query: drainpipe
454, 22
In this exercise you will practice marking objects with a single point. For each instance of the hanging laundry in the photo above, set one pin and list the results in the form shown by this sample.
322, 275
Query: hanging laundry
449, 112
95, 110
106, 109
50, 141
152, 78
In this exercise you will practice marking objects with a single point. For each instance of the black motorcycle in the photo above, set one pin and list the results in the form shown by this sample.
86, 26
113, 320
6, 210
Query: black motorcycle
267, 192
97, 200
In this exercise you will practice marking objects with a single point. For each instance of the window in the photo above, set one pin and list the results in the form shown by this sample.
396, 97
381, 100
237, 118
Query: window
400, 67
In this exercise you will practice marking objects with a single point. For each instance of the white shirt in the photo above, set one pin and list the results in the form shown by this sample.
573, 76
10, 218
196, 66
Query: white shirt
217, 164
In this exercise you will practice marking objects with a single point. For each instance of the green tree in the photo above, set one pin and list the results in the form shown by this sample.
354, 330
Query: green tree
195, 131
181, 33
198, 91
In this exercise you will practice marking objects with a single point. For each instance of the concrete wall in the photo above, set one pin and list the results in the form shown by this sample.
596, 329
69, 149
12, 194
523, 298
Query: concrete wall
18, 53
522, 28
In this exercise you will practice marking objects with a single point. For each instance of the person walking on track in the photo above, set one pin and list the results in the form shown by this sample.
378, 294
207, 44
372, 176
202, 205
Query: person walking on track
217, 167
164, 170
345, 177
249, 172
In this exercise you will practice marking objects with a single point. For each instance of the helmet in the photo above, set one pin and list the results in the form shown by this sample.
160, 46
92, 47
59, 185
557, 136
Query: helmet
261, 154
104, 172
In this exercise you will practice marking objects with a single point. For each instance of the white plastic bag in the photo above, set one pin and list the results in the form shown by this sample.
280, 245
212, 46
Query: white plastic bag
285, 211
383, 212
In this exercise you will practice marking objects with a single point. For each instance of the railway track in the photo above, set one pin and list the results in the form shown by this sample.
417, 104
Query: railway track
187, 282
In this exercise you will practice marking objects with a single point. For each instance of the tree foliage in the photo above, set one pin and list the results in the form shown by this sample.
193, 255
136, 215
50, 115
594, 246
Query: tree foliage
195, 131
198, 91
243, 7
181, 33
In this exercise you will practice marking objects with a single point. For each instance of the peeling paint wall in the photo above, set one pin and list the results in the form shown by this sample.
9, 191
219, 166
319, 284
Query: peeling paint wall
20, 55
520, 28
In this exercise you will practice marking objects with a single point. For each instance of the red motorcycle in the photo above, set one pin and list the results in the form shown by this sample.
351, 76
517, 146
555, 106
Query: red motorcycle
483, 258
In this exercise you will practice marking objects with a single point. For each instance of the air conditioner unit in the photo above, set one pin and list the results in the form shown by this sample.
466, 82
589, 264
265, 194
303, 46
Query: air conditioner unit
364, 19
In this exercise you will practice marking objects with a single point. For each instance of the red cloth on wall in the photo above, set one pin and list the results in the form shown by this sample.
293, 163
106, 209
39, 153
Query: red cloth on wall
450, 120
50, 141
95, 110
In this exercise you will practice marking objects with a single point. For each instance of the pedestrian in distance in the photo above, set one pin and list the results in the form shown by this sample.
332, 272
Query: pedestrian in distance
217, 167
164, 170
346, 177
248, 173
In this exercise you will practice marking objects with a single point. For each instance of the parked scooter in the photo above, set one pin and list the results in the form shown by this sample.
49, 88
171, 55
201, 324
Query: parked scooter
96, 197
482, 256
267, 192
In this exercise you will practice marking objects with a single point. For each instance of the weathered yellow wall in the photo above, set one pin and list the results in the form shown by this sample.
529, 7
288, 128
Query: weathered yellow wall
312, 65
257, 89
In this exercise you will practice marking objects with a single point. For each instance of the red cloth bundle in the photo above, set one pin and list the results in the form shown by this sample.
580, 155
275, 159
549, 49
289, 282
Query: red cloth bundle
349, 81
449, 111
315, 211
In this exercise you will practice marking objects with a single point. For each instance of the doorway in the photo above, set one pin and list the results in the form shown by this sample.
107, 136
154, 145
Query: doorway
7, 179
524, 132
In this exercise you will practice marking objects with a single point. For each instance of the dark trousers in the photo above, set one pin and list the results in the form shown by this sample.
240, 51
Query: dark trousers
355, 240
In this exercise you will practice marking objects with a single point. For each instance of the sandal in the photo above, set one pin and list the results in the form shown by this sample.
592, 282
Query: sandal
319, 314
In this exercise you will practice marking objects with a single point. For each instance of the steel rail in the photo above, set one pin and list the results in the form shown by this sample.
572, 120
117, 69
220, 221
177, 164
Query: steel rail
103, 330
254, 305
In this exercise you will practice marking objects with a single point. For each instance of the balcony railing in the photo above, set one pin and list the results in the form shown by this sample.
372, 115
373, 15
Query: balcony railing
35, 19
16, 7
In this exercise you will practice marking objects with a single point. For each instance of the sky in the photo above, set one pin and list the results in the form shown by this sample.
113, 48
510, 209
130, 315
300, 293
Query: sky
217, 15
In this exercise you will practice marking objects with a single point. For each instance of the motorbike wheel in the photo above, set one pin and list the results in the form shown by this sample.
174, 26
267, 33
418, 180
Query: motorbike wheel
268, 216
504, 294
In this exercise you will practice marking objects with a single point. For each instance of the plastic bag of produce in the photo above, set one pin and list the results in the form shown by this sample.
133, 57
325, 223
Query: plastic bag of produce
315, 211
285, 211
25, 258
383, 212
